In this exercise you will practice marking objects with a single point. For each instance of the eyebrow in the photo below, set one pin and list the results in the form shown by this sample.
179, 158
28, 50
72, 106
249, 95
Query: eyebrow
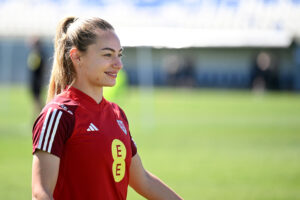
110, 49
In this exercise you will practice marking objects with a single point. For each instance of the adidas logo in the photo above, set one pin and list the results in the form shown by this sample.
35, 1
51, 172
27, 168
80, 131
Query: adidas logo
92, 127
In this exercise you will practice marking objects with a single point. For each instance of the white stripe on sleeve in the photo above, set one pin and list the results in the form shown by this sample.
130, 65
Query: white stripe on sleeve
49, 129
54, 131
44, 128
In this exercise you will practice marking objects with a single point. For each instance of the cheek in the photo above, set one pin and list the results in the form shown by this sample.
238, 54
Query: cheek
96, 69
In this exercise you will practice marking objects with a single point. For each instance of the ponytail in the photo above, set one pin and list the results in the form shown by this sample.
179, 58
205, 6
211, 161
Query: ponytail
62, 70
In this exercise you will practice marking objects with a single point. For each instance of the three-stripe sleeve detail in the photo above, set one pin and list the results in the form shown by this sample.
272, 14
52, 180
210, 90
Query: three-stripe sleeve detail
54, 131
44, 128
50, 129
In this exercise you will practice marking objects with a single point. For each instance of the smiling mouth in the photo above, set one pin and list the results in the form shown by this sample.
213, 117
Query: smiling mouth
111, 74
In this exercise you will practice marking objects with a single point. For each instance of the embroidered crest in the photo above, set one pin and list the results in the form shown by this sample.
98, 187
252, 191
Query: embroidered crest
122, 126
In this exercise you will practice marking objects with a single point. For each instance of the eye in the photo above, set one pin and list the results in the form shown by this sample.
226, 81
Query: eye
120, 55
107, 55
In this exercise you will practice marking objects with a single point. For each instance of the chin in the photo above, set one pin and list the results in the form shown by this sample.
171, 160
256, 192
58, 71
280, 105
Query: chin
110, 84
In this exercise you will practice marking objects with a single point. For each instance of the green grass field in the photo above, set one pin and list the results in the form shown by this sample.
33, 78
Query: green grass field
211, 145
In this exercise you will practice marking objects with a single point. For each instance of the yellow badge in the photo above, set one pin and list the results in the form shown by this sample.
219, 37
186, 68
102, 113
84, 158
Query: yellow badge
118, 151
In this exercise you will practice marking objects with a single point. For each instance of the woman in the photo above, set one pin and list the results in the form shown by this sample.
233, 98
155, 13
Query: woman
82, 147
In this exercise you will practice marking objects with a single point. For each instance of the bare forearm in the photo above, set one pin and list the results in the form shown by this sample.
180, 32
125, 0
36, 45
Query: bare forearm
158, 190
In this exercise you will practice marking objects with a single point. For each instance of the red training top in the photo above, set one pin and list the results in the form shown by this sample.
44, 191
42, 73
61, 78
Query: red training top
93, 143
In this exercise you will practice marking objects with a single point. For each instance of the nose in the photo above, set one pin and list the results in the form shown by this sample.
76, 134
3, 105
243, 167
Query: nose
118, 63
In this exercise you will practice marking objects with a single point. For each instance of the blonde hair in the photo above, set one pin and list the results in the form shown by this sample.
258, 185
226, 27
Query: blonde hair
71, 32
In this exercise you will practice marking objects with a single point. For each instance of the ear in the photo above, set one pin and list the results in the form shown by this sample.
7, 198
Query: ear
75, 56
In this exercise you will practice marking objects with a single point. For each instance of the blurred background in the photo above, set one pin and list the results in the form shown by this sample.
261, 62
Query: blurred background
210, 88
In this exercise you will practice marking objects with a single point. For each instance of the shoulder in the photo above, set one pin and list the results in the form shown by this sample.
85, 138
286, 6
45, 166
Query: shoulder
60, 108
118, 111
63, 103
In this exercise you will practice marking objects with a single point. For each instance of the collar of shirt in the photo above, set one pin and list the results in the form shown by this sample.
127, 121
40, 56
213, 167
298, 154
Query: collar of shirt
84, 99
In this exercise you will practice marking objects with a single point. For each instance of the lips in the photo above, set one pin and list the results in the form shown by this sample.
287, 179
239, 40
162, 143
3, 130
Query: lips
112, 74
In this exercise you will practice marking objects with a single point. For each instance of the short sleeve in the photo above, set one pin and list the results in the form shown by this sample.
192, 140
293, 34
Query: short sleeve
51, 130
133, 146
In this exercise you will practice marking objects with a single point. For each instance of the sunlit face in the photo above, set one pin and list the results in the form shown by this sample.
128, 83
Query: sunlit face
100, 64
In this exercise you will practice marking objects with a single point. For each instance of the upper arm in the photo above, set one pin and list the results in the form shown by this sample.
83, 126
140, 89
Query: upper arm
138, 175
45, 169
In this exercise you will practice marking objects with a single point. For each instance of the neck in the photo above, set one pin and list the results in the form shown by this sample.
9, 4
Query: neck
95, 93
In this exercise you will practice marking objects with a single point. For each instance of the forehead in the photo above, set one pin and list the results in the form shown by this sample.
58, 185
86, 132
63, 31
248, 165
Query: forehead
108, 39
